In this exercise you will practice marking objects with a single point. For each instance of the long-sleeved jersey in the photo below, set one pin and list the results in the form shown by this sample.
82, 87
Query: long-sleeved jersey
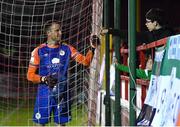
50, 60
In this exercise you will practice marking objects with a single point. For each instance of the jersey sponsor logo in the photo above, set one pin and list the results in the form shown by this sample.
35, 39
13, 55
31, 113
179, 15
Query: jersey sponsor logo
54, 66
55, 63
33, 52
61, 53
38, 115
32, 59
46, 54
32, 56
55, 60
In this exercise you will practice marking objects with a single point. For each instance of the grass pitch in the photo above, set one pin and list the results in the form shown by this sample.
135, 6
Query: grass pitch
10, 116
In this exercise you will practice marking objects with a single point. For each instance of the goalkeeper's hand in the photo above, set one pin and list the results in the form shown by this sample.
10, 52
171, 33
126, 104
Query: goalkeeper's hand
95, 42
50, 80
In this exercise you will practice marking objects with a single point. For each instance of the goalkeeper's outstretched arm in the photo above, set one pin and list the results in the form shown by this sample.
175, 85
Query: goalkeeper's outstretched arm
86, 60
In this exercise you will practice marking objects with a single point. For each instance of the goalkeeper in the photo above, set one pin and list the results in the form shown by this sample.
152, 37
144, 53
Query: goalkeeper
48, 67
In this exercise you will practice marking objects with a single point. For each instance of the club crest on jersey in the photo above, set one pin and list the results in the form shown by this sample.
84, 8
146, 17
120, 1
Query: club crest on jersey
61, 52
38, 115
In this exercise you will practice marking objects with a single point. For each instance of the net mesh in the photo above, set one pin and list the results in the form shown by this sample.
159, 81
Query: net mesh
21, 30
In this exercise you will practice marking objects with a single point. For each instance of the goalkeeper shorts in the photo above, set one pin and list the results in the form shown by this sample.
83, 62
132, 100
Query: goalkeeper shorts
46, 103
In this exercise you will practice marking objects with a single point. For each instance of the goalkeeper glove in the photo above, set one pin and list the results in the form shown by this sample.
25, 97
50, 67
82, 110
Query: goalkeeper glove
95, 41
50, 80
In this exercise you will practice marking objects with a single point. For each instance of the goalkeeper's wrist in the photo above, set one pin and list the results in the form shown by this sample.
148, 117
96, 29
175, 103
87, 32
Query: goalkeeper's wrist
93, 50
43, 79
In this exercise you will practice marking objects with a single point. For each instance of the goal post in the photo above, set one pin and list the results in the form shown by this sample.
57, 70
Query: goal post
21, 30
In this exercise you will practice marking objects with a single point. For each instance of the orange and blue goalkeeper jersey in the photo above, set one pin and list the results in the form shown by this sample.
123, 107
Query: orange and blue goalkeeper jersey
50, 60
53, 61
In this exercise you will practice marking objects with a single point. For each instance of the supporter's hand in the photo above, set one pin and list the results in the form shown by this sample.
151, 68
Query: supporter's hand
50, 80
140, 66
115, 60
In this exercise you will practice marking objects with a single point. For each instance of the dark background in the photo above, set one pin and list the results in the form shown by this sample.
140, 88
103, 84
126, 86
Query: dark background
171, 7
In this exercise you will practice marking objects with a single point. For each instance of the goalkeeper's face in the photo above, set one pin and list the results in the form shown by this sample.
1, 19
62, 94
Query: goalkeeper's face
55, 33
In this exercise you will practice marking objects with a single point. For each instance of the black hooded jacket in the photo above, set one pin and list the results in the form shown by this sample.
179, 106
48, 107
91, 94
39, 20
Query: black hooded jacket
155, 35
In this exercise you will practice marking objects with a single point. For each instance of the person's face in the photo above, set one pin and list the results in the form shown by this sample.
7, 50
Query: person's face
55, 33
150, 25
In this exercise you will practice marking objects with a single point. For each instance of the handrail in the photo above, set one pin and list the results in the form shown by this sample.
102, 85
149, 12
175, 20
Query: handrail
141, 48
148, 46
141, 82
